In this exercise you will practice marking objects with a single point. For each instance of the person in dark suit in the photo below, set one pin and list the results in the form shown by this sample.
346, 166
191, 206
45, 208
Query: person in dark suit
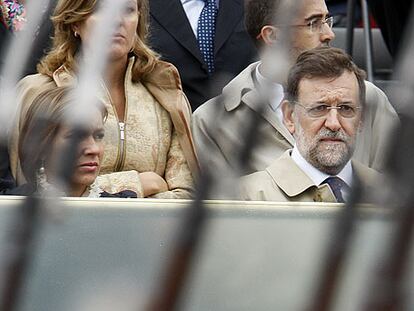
173, 29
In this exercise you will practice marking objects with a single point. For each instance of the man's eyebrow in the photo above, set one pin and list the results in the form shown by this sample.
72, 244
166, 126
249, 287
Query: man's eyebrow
315, 16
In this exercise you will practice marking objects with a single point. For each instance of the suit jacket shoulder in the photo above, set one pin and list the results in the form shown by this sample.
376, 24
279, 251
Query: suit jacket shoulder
172, 37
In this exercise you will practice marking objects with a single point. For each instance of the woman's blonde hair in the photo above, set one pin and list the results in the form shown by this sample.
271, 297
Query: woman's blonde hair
65, 44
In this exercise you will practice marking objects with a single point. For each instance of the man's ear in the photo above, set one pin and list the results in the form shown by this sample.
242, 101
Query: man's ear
269, 34
288, 111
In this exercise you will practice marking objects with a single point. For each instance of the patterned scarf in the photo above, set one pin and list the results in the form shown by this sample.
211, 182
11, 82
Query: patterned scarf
13, 14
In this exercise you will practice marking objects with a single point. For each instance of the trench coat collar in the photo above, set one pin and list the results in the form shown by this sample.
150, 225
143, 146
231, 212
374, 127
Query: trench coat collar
243, 89
288, 176
293, 181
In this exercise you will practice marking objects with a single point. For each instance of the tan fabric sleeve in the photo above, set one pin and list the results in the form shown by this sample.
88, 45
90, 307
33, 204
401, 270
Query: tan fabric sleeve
120, 181
177, 173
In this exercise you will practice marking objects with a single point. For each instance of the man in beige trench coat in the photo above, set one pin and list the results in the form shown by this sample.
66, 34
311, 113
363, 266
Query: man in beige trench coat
219, 126
323, 110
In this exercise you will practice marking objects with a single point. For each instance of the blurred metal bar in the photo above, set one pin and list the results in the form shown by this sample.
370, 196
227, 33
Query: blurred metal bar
350, 26
25, 232
92, 65
27, 222
386, 290
17, 52
336, 251
15, 263
94, 59
389, 276
169, 297
369, 51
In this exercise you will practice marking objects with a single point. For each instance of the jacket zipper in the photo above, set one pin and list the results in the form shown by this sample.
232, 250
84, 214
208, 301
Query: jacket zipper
120, 160
121, 146
123, 128
121, 131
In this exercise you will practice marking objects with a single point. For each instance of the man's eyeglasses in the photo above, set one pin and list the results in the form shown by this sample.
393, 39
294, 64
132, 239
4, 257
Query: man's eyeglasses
316, 25
322, 110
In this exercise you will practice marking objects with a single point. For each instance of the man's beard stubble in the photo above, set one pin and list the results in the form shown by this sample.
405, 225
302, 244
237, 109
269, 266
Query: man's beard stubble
327, 156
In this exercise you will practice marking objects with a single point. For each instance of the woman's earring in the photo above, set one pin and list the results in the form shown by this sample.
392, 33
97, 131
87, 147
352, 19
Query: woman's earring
41, 177
75, 33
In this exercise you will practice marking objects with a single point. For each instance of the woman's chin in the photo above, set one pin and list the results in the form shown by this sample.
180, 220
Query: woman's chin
118, 52
85, 180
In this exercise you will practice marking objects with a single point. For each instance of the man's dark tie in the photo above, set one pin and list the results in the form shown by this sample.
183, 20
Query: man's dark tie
336, 184
206, 31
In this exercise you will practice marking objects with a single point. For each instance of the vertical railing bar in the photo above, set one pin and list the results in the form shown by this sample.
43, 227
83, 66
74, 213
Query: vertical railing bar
369, 51
350, 26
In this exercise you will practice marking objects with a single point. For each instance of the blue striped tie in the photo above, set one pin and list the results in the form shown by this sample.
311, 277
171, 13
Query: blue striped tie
206, 31
337, 185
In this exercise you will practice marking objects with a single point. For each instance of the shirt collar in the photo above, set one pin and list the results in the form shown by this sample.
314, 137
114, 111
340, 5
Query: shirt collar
316, 175
202, 1
275, 89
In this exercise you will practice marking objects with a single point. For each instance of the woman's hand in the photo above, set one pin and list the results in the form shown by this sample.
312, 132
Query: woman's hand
152, 183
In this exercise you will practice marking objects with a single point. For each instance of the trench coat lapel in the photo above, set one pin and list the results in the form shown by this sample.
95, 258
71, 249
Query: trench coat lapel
243, 90
288, 176
254, 101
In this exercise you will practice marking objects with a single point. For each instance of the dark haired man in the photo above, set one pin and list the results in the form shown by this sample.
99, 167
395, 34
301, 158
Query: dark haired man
219, 125
323, 110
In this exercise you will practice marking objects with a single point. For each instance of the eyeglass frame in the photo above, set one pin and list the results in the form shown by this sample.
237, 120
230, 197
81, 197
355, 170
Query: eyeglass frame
328, 109
328, 21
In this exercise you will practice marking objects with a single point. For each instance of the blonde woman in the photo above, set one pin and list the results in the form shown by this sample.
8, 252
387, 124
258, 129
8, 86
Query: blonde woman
147, 129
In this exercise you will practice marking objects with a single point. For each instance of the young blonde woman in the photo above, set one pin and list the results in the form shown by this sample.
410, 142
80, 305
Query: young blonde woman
147, 129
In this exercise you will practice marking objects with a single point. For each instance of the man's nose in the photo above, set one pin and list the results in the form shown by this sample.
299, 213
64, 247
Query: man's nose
332, 121
327, 34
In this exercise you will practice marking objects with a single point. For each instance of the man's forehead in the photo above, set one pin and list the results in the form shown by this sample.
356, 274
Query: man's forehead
342, 87
312, 9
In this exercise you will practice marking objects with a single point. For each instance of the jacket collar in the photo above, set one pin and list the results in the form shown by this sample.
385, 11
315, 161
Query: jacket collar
164, 74
288, 176
293, 181
243, 89
64, 77
237, 89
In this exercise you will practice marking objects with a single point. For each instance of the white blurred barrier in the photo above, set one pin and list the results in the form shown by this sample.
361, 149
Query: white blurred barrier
254, 255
